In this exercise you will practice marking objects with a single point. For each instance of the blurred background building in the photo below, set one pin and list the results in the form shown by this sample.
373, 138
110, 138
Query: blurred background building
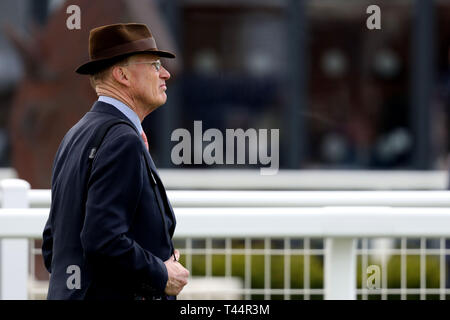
343, 96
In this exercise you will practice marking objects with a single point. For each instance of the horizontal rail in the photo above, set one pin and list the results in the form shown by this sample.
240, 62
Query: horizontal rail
199, 198
40, 197
309, 198
22, 223
247, 179
345, 222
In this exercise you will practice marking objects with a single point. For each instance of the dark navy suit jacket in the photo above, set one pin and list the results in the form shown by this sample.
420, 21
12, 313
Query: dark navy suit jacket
115, 233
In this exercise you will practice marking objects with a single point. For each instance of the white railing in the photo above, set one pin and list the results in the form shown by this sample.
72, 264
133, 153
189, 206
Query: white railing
338, 217
251, 179
196, 199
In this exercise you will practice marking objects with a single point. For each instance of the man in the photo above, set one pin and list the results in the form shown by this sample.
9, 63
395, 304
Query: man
109, 232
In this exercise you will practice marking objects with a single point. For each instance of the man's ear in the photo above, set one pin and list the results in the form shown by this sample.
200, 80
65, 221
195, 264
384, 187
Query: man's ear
121, 75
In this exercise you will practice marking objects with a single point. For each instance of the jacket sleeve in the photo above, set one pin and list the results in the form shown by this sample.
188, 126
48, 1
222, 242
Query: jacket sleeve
47, 246
47, 234
114, 190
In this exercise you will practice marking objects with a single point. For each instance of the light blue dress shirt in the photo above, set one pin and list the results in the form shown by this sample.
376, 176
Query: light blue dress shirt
127, 111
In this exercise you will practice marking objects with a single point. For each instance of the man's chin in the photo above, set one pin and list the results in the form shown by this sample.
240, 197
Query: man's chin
163, 100
155, 106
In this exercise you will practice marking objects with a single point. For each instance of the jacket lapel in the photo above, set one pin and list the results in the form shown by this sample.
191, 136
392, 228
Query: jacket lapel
162, 191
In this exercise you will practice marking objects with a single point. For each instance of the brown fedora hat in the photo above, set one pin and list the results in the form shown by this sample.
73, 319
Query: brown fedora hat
110, 43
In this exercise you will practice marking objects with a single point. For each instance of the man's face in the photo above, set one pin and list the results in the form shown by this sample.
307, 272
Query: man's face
148, 85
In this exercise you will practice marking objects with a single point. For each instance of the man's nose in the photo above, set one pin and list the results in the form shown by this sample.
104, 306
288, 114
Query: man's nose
164, 74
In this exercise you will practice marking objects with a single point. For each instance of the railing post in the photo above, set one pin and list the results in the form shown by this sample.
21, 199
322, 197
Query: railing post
14, 252
340, 269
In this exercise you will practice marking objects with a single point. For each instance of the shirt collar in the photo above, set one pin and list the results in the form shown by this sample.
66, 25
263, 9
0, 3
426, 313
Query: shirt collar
126, 110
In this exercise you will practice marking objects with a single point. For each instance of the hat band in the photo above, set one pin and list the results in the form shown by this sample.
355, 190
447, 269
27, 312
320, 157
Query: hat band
137, 45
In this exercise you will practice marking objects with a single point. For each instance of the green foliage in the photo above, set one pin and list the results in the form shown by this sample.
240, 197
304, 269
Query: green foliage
316, 269
258, 265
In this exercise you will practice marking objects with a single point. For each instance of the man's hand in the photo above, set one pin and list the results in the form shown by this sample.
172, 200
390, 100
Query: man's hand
178, 275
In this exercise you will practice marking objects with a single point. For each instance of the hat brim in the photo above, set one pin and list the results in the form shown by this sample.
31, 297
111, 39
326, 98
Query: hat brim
94, 66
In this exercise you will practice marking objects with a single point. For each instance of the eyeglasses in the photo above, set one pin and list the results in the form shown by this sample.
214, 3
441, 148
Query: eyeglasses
157, 64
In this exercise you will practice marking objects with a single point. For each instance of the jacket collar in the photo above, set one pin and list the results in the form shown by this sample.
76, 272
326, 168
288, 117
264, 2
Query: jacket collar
104, 107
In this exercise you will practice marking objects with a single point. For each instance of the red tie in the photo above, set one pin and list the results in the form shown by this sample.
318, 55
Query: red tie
144, 137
